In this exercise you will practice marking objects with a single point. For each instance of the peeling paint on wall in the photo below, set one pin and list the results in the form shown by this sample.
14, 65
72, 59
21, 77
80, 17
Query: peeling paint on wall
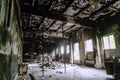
10, 43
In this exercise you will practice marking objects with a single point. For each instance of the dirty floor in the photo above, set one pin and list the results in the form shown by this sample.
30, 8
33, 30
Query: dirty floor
73, 72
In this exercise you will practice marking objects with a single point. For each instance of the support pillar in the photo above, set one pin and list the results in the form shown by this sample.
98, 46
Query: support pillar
96, 49
65, 54
82, 47
71, 52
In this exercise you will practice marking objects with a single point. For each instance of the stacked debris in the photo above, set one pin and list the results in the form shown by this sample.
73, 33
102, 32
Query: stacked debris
22, 69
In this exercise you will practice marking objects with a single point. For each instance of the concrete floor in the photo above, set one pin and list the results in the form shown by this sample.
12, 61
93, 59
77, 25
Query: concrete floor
73, 72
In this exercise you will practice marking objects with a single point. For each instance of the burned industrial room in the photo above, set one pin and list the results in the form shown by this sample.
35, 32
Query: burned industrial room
59, 39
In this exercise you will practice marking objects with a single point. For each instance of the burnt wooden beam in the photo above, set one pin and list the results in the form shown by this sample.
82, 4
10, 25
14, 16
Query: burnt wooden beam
94, 42
41, 22
52, 34
42, 12
75, 30
40, 38
52, 15
51, 24
103, 16
28, 15
40, 41
109, 20
50, 4
48, 8
85, 22
71, 1
110, 2
61, 26
69, 28
82, 9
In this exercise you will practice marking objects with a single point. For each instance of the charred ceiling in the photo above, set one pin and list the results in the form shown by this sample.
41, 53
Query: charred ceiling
48, 21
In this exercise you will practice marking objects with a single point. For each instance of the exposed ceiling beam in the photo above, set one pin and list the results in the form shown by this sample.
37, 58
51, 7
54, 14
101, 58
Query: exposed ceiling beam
53, 15
71, 1
41, 22
82, 10
40, 38
78, 29
61, 26
69, 28
104, 16
48, 9
50, 4
51, 24
85, 21
109, 3
109, 20
28, 40
47, 34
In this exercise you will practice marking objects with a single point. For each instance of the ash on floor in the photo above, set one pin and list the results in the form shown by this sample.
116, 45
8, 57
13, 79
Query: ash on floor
72, 73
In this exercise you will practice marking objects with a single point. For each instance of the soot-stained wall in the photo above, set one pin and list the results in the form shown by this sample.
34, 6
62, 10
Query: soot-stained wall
10, 41
114, 29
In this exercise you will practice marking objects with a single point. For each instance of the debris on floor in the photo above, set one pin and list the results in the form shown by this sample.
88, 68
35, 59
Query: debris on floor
32, 76
72, 73
59, 72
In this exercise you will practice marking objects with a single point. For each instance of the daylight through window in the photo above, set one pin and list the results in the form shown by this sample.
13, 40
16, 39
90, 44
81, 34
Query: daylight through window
109, 42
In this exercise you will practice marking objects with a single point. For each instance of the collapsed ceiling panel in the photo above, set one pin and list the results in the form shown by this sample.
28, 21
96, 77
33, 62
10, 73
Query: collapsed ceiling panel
25, 20
35, 21
56, 25
75, 7
32, 35
67, 26
60, 5
27, 2
49, 20
43, 3
101, 14
46, 23
95, 8
111, 10
53, 34
89, 10
26, 34
76, 27
116, 5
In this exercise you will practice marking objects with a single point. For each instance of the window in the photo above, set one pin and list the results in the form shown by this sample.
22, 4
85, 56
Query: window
53, 53
109, 42
56, 50
89, 45
68, 49
62, 50
76, 52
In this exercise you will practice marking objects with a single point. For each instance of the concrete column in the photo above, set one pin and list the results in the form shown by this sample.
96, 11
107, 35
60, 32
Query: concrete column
96, 49
71, 52
117, 40
101, 51
82, 47
55, 53
65, 44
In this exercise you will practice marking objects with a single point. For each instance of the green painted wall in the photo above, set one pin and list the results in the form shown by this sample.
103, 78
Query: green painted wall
10, 42
117, 38
113, 28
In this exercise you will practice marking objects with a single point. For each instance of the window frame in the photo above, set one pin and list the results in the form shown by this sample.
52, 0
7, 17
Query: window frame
91, 50
76, 51
109, 40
